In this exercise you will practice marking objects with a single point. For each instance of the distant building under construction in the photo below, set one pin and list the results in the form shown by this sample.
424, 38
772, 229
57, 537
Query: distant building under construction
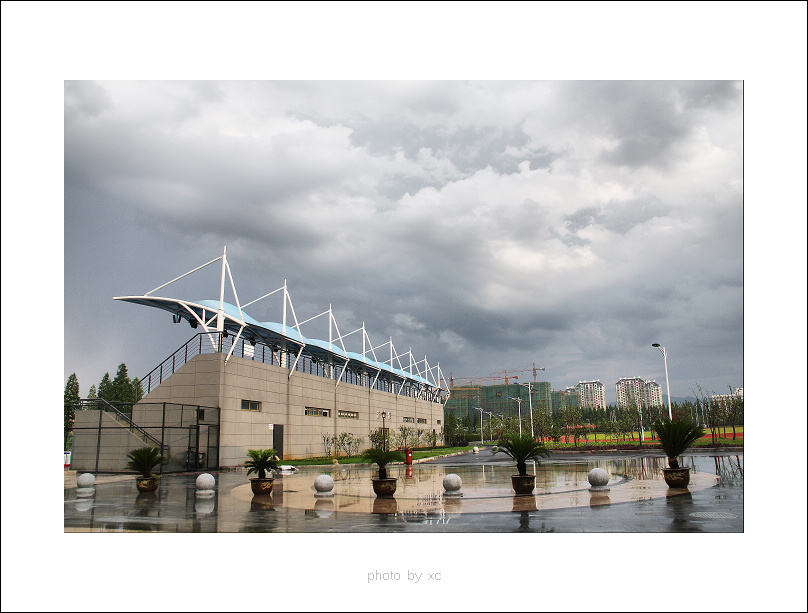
500, 399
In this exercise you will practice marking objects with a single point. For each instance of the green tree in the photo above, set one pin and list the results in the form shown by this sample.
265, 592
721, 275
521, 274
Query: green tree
122, 386
542, 423
734, 411
450, 428
105, 388
92, 393
571, 422
72, 402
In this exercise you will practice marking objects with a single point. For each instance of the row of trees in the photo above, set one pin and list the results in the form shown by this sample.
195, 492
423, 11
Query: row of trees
344, 441
402, 438
405, 437
582, 423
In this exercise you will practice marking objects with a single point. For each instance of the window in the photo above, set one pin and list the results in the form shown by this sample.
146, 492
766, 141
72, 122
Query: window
250, 405
409, 420
320, 412
439, 422
421, 420
348, 414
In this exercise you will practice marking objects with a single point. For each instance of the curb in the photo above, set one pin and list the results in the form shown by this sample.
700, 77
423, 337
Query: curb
435, 457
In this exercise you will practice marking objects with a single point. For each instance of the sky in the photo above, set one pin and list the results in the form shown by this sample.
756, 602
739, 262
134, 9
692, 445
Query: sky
489, 225
492, 184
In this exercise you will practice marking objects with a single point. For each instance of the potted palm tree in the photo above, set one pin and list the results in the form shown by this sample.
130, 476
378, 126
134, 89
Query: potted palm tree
675, 437
143, 460
383, 486
522, 447
261, 461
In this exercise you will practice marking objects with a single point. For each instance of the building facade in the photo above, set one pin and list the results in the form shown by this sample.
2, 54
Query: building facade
633, 392
268, 384
592, 394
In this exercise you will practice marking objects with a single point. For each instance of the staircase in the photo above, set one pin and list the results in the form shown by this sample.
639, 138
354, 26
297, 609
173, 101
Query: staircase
126, 422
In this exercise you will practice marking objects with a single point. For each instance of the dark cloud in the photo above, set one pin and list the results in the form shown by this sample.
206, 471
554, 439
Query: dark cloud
487, 225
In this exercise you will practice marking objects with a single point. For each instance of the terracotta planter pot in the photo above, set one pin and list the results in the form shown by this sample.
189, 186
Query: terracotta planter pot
261, 487
384, 488
676, 477
147, 484
523, 484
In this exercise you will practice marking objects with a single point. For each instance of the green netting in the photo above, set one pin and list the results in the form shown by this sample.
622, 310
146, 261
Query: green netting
497, 399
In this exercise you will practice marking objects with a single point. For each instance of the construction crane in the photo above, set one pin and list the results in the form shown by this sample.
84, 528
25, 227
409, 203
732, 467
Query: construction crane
507, 376
463, 381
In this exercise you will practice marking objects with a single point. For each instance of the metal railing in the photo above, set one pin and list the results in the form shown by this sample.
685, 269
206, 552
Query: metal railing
124, 420
222, 342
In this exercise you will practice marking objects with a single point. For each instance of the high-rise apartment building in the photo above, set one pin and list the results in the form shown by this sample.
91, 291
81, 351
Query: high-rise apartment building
592, 394
635, 391
653, 394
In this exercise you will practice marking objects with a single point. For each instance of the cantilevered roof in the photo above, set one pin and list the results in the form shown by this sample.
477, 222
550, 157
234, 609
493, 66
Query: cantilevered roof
219, 315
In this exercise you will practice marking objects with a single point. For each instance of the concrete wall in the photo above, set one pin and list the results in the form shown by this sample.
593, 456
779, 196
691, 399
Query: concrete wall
206, 380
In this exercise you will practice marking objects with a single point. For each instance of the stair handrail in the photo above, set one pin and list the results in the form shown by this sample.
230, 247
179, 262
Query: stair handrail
128, 420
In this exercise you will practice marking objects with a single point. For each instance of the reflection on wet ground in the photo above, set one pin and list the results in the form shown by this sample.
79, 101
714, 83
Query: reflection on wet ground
638, 500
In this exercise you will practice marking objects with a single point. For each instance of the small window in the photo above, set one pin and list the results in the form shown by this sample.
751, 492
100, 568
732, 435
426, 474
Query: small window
250, 405
409, 420
348, 414
318, 412
421, 420
439, 422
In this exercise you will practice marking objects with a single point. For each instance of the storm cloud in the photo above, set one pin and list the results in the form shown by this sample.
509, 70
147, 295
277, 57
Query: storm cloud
488, 225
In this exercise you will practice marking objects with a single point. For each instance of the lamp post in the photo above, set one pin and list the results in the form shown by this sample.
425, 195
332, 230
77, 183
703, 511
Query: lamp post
519, 404
491, 425
529, 387
667, 381
482, 431
384, 432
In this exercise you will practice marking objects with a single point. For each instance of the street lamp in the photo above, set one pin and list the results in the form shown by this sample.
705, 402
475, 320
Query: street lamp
491, 425
384, 432
519, 404
482, 431
667, 381
529, 387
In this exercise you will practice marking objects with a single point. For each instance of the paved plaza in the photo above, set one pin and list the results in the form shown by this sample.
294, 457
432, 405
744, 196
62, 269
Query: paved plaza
637, 500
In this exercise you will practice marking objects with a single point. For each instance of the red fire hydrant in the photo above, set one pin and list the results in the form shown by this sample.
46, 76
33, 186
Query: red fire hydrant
408, 456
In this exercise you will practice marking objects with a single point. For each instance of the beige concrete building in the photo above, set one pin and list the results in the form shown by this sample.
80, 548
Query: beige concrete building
242, 384
263, 405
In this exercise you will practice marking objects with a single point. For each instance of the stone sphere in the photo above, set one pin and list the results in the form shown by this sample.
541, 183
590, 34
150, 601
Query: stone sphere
598, 477
452, 483
476, 450
324, 483
85, 480
494, 449
205, 481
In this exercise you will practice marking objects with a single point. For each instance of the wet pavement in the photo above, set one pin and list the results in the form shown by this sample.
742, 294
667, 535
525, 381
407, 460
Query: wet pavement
638, 499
